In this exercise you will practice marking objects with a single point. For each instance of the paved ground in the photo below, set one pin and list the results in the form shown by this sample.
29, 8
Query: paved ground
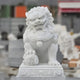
68, 78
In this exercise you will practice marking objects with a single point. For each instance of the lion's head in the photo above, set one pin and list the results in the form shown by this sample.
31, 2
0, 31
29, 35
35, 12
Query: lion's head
40, 22
39, 18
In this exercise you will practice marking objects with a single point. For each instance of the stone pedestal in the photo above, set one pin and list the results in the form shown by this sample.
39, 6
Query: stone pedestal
40, 46
40, 78
16, 52
40, 72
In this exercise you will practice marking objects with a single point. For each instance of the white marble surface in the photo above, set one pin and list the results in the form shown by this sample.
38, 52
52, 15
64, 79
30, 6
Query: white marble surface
42, 70
67, 46
40, 78
40, 39
41, 46
59, 78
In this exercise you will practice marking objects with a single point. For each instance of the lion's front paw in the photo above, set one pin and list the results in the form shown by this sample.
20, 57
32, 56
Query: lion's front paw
54, 63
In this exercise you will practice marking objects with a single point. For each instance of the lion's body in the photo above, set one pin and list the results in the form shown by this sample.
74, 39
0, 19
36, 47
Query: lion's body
40, 40
42, 51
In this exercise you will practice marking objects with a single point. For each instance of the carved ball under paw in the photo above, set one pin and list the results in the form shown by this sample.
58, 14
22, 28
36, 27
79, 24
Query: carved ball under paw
31, 60
29, 52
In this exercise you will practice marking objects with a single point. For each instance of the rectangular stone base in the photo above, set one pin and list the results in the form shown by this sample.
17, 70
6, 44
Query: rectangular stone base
40, 71
40, 78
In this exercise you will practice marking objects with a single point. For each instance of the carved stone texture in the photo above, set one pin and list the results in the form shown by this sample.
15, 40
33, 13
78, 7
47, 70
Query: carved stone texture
41, 46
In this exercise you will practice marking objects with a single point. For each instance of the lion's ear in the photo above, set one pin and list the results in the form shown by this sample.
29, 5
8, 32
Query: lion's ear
46, 8
26, 14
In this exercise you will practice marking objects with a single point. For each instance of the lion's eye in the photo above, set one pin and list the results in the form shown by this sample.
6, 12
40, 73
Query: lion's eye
32, 19
39, 18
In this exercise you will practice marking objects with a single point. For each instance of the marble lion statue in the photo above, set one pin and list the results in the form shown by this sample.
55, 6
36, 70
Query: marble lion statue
66, 42
67, 45
40, 39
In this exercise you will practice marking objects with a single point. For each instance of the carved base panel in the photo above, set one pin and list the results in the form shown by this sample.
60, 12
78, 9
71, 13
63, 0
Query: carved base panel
40, 78
40, 72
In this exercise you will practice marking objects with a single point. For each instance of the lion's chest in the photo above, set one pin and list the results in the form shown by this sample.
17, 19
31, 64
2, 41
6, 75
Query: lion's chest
40, 40
42, 50
40, 44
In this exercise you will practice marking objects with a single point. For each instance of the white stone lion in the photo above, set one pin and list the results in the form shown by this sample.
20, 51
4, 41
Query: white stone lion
67, 46
40, 39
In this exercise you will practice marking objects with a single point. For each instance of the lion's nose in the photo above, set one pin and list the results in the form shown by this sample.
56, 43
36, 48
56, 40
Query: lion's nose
37, 20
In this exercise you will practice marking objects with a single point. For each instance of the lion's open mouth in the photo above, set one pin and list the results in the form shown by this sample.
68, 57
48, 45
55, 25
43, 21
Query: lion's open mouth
40, 24
39, 29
